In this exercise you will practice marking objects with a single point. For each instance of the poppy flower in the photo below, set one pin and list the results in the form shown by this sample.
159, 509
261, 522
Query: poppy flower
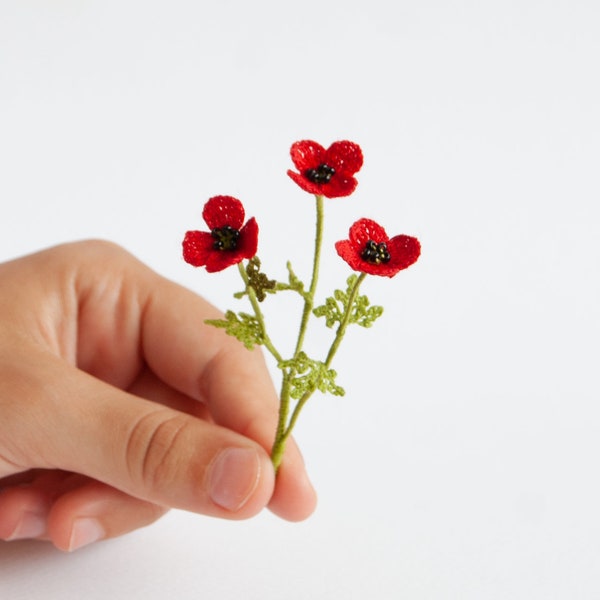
228, 242
370, 250
326, 172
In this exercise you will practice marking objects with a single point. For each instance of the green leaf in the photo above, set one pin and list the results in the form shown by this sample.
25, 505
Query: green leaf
363, 314
310, 375
330, 310
246, 328
336, 307
369, 316
294, 283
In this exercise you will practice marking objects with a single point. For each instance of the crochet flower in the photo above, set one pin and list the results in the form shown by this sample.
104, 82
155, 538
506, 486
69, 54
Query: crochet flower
229, 240
326, 172
371, 251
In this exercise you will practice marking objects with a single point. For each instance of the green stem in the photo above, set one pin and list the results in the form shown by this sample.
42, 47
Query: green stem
299, 405
258, 314
310, 297
284, 397
282, 435
341, 330
283, 430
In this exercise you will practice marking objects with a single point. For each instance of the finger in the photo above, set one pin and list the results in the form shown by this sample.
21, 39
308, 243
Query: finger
71, 510
148, 451
205, 363
94, 511
25, 502
147, 385
294, 498
176, 343
240, 400
24, 509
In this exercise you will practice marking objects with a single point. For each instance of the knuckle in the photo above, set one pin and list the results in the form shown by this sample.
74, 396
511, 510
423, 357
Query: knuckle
155, 451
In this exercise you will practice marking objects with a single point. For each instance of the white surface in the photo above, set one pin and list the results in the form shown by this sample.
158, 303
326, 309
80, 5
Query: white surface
469, 470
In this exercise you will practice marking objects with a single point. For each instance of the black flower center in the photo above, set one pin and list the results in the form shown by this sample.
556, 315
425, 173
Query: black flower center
375, 253
226, 238
322, 174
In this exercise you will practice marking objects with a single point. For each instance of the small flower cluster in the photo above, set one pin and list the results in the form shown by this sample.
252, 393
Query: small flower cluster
324, 173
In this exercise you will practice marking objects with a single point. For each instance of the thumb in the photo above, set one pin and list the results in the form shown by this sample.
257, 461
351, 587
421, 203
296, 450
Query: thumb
140, 447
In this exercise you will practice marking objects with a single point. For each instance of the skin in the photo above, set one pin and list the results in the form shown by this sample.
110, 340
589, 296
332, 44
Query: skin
117, 403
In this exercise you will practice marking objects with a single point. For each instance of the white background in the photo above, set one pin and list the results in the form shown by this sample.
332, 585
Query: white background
463, 462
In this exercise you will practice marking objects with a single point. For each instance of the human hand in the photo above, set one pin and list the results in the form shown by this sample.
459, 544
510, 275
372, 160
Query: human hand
117, 403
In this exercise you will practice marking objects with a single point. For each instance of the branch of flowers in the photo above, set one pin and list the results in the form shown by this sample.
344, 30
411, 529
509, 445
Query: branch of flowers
341, 330
258, 314
309, 298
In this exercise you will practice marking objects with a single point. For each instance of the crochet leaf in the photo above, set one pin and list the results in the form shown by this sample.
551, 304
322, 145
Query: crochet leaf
246, 328
310, 375
336, 307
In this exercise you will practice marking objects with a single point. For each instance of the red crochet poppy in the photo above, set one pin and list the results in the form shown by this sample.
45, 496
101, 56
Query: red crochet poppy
371, 251
328, 172
228, 242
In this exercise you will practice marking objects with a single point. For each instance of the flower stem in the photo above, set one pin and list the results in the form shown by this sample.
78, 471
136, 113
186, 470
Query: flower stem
284, 432
258, 314
341, 330
310, 297
284, 398
283, 428
278, 447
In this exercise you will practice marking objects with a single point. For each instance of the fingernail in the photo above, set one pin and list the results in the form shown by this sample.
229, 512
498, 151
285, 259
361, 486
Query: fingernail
85, 531
234, 477
32, 525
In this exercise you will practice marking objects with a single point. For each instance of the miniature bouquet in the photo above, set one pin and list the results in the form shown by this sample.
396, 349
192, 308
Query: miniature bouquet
324, 173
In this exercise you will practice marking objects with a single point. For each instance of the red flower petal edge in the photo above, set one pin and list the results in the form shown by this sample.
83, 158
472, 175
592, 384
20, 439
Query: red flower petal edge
326, 172
228, 242
370, 250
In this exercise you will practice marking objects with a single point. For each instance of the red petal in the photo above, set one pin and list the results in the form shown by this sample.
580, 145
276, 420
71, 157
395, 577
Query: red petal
223, 210
349, 253
404, 251
306, 154
339, 186
248, 242
352, 256
218, 260
345, 157
305, 184
364, 230
381, 270
197, 247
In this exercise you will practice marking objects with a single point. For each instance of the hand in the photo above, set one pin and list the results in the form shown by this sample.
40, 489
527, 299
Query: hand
117, 403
